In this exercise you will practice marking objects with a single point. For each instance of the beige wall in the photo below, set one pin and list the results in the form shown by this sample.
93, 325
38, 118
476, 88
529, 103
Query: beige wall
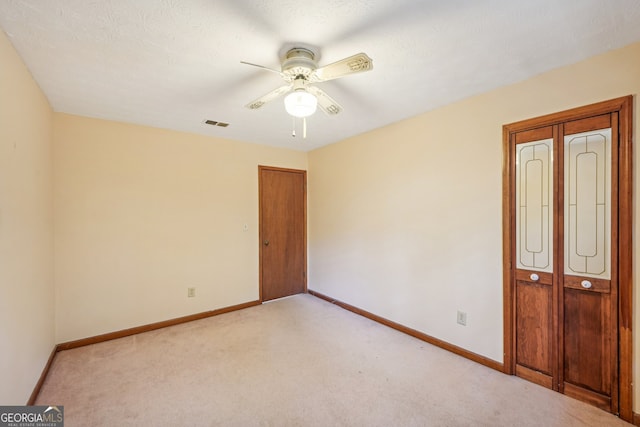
26, 229
141, 214
405, 221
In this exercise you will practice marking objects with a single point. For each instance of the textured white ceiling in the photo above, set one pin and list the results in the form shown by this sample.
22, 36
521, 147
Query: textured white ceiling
175, 63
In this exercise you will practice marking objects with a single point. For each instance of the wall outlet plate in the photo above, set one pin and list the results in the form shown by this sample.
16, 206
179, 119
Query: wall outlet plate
191, 292
462, 318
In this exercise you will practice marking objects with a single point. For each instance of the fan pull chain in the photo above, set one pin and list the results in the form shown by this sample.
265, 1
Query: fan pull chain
304, 128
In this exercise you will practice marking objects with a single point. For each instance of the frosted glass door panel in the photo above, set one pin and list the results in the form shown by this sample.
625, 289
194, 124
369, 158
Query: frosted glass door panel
587, 210
534, 205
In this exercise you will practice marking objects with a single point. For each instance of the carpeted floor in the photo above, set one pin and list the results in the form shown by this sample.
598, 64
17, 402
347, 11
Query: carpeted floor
299, 361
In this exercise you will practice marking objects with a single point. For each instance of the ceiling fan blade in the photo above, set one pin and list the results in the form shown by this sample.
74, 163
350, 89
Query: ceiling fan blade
263, 67
357, 63
254, 105
326, 103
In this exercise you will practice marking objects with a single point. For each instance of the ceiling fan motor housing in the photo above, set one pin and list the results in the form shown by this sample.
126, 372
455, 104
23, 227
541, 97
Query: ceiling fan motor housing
299, 62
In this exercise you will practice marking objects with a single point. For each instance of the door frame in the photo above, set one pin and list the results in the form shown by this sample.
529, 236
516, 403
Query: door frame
624, 107
260, 230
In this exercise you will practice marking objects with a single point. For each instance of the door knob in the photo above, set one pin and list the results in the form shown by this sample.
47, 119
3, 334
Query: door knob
266, 243
534, 277
586, 284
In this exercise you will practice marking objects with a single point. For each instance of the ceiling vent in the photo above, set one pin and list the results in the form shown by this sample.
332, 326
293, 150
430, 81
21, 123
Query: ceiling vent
215, 123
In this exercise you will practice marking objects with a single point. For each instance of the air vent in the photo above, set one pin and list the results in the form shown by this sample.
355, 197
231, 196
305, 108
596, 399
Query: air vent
215, 123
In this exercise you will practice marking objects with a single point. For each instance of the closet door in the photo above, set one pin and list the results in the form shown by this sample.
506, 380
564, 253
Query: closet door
567, 239
589, 301
535, 304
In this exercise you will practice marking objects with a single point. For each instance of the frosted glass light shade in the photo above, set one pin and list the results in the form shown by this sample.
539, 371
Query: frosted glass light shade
300, 103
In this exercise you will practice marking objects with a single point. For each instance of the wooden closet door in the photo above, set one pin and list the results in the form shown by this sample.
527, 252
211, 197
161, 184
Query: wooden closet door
590, 284
535, 305
568, 274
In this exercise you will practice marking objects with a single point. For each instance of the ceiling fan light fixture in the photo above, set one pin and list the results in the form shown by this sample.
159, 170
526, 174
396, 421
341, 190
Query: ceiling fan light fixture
300, 103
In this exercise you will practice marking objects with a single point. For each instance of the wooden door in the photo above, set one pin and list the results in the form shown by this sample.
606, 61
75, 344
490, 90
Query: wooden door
535, 287
589, 265
567, 240
282, 232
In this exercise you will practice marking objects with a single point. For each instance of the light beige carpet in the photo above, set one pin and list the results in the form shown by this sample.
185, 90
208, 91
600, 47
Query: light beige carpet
298, 361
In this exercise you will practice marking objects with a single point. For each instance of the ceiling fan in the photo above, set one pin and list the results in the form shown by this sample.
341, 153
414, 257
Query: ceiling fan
299, 70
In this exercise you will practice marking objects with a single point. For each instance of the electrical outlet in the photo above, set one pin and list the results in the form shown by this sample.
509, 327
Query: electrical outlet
462, 318
191, 292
